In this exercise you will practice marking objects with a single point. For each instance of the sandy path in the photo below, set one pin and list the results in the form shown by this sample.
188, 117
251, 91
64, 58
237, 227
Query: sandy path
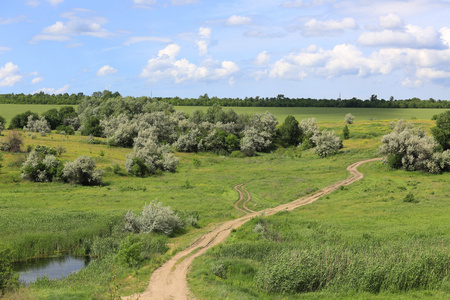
169, 281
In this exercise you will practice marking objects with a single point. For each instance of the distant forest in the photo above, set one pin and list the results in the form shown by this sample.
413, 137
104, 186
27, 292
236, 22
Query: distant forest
205, 100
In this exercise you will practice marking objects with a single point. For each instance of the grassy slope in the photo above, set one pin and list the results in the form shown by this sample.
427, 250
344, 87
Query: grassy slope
30, 211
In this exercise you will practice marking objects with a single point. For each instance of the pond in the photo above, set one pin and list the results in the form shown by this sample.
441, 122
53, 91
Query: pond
53, 268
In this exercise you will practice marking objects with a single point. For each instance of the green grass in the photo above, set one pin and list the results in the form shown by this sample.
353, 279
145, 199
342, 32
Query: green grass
8, 111
38, 219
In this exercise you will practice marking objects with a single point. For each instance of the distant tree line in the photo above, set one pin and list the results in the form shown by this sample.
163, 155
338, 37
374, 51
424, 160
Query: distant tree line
204, 100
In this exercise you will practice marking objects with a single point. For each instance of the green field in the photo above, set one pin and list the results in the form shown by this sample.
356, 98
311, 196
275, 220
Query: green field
368, 219
322, 114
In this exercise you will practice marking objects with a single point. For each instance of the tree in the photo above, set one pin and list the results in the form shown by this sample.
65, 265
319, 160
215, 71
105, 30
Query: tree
82, 171
19, 121
92, 127
53, 118
290, 132
349, 118
441, 131
40, 125
346, 133
40, 166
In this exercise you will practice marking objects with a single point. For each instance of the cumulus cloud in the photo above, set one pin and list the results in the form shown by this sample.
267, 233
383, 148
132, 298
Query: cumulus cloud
236, 20
391, 21
37, 80
204, 34
9, 74
264, 33
411, 37
79, 23
53, 90
408, 83
262, 58
167, 67
331, 27
106, 70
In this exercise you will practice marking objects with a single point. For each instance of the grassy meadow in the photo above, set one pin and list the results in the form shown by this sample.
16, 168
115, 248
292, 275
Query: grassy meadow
364, 224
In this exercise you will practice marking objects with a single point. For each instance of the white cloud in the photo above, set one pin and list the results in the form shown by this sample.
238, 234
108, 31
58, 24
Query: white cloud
51, 91
79, 23
4, 49
55, 2
263, 33
391, 21
411, 84
167, 67
445, 36
12, 20
33, 3
145, 2
411, 37
231, 81
106, 70
37, 80
140, 39
331, 27
204, 34
236, 20
9, 74
432, 73
262, 58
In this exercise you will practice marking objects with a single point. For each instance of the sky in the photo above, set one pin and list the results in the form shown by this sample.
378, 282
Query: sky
246, 48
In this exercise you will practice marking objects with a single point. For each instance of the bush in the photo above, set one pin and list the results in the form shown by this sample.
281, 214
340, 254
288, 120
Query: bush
12, 143
64, 129
40, 167
82, 171
327, 143
153, 218
92, 127
412, 149
441, 132
290, 132
349, 118
8, 278
39, 125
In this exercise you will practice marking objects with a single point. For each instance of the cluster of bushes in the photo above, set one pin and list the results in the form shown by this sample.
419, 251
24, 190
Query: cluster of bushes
412, 149
42, 165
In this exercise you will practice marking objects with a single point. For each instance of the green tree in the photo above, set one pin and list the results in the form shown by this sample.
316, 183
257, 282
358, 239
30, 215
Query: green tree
346, 133
92, 127
8, 278
290, 131
52, 117
441, 131
19, 121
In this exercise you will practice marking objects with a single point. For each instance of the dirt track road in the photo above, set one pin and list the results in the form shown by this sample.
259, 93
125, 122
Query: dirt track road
169, 281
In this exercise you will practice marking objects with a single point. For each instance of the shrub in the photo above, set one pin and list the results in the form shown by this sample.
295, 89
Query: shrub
65, 129
8, 278
310, 129
154, 218
349, 118
327, 143
412, 149
410, 198
39, 125
82, 171
92, 127
40, 167
12, 143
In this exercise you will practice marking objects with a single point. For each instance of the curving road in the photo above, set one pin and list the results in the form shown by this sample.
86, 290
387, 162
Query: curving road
169, 281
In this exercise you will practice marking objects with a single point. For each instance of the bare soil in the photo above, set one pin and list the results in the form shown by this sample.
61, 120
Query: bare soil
169, 281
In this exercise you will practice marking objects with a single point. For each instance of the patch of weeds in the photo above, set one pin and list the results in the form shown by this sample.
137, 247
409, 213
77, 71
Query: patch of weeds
410, 198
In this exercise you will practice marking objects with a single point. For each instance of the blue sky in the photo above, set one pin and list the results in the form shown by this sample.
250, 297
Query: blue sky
185, 48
